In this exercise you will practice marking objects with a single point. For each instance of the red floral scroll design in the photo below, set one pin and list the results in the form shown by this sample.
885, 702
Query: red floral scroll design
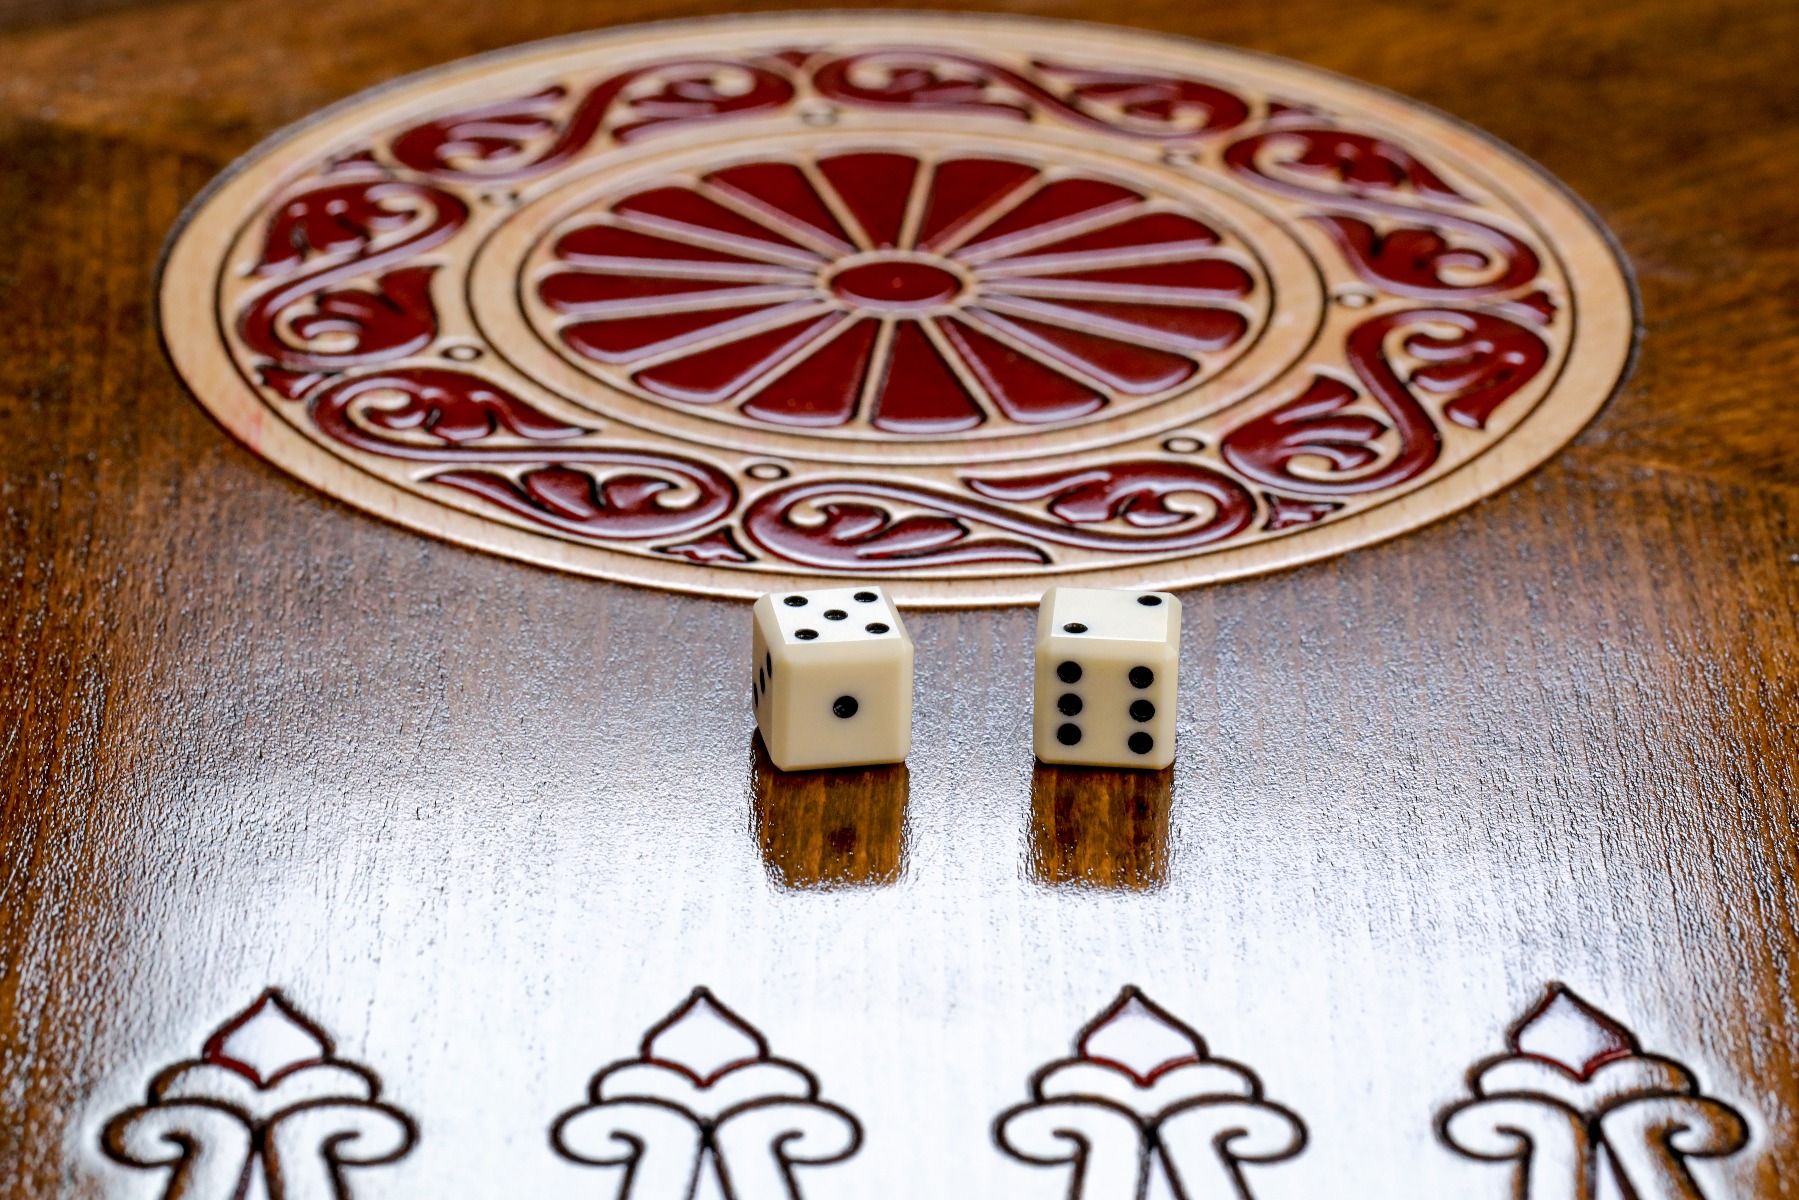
1582, 1110
523, 137
268, 1109
705, 1108
1469, 362
1143, 1109
1132, 104
846, 524
1355, 172
330, 235
444, 416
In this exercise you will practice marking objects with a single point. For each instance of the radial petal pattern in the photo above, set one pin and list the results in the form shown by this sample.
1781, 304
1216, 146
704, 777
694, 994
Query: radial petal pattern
894, 292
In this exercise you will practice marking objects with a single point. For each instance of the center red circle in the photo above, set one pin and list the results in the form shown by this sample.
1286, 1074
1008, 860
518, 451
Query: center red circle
896, 283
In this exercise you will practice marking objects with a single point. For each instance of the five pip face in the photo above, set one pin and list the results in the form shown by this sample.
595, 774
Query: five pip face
831, 677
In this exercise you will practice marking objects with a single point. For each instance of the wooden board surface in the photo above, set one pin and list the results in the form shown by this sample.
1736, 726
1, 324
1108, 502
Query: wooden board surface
485, 826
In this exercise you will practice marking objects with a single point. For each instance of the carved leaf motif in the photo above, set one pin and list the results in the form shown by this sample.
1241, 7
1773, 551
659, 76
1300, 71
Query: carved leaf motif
267, 1110
705, 1106
1170, 1119
1582, 1110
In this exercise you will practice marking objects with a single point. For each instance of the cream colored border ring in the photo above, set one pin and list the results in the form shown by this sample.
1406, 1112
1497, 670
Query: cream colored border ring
1600, 294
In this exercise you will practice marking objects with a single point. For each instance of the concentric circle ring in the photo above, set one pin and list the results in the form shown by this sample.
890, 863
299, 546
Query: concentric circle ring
729, 306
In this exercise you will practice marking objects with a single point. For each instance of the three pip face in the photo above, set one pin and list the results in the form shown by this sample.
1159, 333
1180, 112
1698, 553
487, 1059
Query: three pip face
831, 678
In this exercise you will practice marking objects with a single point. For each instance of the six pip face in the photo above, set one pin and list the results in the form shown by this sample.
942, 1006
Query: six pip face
831, 677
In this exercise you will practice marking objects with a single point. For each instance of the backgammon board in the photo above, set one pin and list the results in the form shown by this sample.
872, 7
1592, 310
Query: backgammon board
405, 400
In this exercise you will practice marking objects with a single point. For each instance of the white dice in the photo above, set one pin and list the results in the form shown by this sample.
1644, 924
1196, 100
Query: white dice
831, 678
1107, 667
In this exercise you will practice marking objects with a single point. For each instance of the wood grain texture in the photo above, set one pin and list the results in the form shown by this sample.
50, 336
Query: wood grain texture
486, 824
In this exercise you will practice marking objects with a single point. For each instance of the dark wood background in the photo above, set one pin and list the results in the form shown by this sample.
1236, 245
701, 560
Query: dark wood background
486, 823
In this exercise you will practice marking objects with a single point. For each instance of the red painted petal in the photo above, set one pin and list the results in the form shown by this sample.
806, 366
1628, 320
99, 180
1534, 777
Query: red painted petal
963, 190
582, 291
1060, 203
1134, 370
607, 245
920, 393
1159, 233
1209, 278
875, 188
1189, 327
823, 389
781, 192
685, 212
1024, 389
624, 338
710, 376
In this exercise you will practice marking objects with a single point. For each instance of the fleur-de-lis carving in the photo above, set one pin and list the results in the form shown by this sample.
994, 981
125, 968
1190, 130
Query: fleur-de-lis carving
705, 1110
1584, 1112
266, 1110
1143, 1109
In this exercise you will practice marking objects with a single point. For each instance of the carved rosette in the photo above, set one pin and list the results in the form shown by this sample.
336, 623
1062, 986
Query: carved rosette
727, 306
705, 1109
266, 1110
1142, 1109
1583, 1112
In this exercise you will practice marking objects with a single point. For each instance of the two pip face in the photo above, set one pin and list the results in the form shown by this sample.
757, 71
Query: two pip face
831, 678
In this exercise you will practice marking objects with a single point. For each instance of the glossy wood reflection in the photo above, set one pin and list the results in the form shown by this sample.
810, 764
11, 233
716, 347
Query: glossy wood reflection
833, 828
1106, 829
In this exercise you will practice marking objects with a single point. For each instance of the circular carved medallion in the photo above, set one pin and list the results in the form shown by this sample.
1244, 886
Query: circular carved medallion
966, 304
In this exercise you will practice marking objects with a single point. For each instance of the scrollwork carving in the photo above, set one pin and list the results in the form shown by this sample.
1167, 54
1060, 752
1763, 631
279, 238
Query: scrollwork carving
522, 137
457, 419
325, 238
858, 525
1133, 104
1467, 362
1428, 251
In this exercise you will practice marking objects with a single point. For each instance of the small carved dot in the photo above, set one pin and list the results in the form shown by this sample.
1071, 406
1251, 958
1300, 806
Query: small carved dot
765, 470
835, 614
805, 635
1149, 601
1068, 735
1182, 445
1074, 627
463, 353
866, 597
1069, 705
1142, 743
1069, 672
875, 627
845, 707
1142, 710
795, 602
1142, 677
